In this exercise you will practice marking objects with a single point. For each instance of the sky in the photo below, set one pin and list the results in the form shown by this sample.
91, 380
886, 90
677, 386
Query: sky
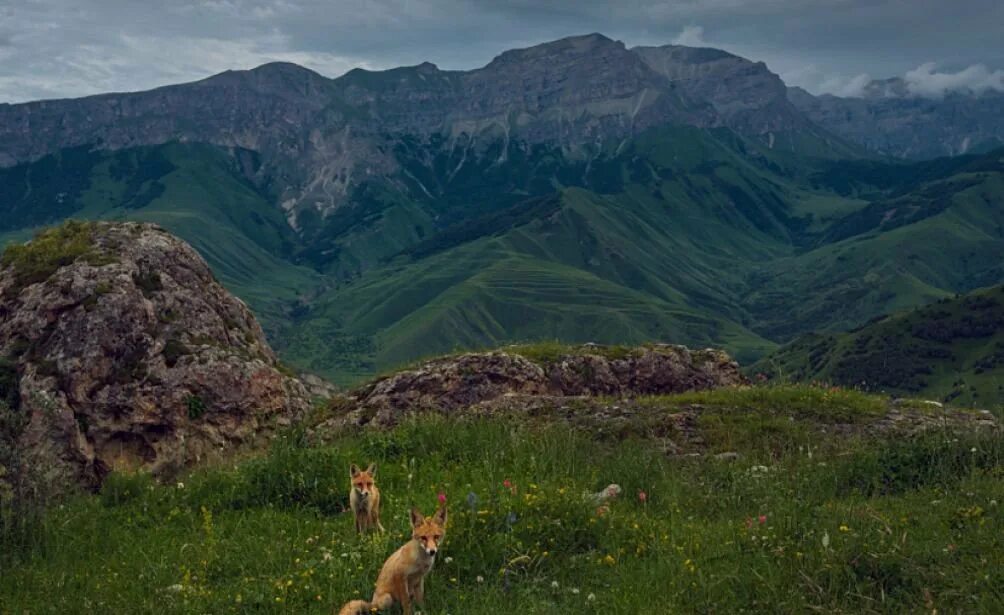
69, 48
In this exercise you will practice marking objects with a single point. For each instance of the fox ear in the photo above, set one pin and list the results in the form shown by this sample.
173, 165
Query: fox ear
416, 517
440, 516
353, 470
372, 469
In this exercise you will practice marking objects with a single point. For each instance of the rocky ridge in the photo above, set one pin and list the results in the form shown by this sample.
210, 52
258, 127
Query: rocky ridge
454, 384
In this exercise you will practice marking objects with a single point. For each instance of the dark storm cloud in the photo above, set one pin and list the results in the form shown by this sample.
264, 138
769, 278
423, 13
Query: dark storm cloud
53, 48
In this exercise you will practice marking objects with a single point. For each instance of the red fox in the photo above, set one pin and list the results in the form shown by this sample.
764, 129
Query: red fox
365, 498
402, 578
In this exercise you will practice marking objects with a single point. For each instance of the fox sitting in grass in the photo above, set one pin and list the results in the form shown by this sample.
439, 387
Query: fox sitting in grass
402, 578
365, 498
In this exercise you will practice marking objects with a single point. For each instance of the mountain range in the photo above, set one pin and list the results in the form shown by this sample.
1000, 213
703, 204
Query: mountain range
577, 190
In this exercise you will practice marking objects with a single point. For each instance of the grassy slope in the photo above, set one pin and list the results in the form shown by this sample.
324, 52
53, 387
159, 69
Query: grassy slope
199, 195
952, 349
799, 524
840, 285
680, 235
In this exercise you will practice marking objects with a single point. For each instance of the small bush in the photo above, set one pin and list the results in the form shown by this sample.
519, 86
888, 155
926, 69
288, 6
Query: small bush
51, 249
196, 407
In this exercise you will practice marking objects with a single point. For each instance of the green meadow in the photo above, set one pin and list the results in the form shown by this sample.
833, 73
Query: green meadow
819, 513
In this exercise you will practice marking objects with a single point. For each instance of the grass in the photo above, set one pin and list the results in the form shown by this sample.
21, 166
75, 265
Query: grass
865, 525
50, 249
680, 235
950, 350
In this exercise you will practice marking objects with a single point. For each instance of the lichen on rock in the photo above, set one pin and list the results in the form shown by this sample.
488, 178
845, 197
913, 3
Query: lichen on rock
128, 354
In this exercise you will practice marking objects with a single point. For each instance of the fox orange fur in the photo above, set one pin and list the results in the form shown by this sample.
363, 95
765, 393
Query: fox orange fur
402, 578
364, 498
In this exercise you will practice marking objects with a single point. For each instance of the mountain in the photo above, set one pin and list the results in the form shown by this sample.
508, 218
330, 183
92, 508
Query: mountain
576, 190
952, 349
890, 120
747, 96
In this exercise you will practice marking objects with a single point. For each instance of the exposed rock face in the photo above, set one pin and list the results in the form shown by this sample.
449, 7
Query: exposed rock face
748, 96
319, 140
891, 121
454, 383
130, 355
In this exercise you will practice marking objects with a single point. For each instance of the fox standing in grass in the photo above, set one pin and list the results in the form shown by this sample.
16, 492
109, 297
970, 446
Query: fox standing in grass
365, 498
402, 578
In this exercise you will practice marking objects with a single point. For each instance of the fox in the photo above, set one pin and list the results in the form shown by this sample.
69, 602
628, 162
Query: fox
364, 498
402, 578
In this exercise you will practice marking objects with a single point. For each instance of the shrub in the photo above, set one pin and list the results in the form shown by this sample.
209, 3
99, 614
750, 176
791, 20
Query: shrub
51, 249
196, 407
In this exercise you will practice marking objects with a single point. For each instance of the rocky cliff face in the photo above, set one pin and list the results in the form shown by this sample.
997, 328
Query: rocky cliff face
125, 353
747, 95
891, 121
319, 139
453, 384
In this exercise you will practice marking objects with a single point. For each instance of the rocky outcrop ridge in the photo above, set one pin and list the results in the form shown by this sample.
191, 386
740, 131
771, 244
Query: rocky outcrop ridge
124, 352
454, 383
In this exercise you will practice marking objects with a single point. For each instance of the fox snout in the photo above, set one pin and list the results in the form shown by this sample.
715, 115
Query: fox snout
431, 551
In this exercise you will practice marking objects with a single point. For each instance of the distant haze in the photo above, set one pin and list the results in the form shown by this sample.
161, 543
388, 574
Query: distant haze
67, 48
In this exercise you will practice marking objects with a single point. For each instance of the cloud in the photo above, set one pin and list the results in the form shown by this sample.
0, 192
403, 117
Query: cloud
810, 77
846, 87
691, 36
58, 48
925, 81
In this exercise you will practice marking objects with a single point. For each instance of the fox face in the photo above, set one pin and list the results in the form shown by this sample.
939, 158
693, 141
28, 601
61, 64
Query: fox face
362, 480
428, 531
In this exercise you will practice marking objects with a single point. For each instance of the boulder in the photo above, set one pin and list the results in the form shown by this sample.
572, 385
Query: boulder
126, 353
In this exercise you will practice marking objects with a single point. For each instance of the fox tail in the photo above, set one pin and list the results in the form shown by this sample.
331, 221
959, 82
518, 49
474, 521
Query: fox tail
360, 607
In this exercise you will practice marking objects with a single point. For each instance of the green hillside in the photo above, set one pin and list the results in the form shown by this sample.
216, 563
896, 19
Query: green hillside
680, 235
952, 349
195, 191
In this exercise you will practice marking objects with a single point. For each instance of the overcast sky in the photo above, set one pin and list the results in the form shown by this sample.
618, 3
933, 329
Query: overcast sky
61, 48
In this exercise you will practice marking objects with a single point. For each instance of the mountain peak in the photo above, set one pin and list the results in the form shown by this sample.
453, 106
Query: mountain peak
571, 46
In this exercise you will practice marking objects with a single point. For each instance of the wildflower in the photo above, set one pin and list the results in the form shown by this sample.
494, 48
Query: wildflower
575, 590
844, 528
448, 560
642, 497
480, 579
442, 497
181, 485
602, 510
762, 519
609, 560
826, 540
554, 585
591, 597
748, 523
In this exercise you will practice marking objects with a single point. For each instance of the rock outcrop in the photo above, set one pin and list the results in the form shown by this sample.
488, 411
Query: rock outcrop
453, 383
124, 352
